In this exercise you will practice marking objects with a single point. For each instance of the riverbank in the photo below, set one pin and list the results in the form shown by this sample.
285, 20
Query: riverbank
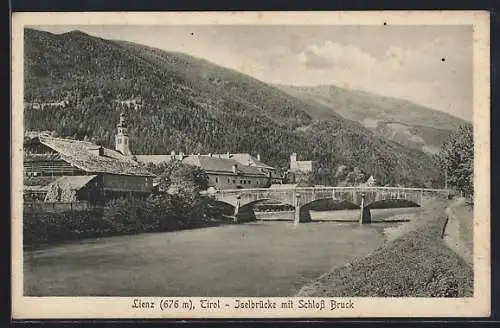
123, 217
459, 229
415, 263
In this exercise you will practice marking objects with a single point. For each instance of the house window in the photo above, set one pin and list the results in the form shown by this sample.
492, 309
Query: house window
119, 141
234, 181
241, 181
216, 180
228, 180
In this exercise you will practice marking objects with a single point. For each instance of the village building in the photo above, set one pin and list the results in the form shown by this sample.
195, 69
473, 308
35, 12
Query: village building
300, 169
58, 169
302, 166
371, 182
253, 161
223, 172
135, 103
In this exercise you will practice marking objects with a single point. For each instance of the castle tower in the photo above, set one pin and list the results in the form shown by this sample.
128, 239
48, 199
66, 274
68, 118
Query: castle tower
121, 138
293, 161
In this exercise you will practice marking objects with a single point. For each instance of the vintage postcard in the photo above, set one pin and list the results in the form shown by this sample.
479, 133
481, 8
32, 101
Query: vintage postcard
250, 165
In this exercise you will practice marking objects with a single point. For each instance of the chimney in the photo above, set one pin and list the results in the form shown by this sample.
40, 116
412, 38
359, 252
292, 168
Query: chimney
258, 157
235, 168
172, 153
228, 155
181, 155
210, 154
99, 151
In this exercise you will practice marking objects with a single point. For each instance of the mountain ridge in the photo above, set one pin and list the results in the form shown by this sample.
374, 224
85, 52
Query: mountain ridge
394, 119
454, 121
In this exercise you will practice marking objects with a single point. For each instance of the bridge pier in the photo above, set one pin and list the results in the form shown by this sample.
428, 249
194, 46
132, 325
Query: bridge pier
243, 214
365, 215
237, 209
302, 213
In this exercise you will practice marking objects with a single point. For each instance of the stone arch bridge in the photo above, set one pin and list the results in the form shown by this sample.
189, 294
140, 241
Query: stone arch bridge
301, 198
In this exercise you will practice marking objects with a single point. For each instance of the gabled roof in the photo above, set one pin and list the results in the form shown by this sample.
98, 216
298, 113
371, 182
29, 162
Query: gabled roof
155, 159
36, 188
85, 156
74, 182
245, 158
221, 165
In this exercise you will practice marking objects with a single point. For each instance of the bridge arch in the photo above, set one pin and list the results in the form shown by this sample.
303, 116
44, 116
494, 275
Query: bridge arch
391, 203
330, 204
259, 201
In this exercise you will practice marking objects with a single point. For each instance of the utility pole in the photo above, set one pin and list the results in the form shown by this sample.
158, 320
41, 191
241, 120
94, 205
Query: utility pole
446, 178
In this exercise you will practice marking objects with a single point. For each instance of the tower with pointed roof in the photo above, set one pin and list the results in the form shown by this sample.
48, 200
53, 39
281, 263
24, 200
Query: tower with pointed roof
121, 138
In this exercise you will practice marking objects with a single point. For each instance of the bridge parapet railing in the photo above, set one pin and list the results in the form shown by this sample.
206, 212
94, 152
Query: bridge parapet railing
330, 189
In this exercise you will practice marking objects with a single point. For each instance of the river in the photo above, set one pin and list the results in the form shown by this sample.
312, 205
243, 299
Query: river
268, 257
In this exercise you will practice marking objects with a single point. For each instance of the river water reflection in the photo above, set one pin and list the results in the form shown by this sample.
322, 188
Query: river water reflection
268, 257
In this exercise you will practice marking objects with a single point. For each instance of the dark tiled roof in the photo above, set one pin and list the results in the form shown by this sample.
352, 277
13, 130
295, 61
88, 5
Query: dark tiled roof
38, 181
222, 165
41, 157
85, 156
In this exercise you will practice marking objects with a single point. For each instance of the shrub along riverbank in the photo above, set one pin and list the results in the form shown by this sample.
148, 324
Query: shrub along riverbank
417, 264
123, 216
175, 204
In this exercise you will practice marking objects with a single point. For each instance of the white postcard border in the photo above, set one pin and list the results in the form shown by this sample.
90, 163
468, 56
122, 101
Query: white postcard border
120, 307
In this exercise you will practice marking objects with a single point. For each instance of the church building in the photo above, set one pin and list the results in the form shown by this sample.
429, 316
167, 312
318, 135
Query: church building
121, 138
61, 168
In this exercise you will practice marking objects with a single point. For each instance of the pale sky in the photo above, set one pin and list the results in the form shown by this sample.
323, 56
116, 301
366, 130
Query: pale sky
429, 65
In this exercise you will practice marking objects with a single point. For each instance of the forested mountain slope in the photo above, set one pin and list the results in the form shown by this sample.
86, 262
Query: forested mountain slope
188, 104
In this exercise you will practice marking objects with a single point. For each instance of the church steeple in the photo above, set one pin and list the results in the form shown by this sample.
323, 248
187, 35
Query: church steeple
121, 138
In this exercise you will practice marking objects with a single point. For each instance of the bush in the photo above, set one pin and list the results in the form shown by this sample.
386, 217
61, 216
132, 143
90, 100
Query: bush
48, 227
129, 215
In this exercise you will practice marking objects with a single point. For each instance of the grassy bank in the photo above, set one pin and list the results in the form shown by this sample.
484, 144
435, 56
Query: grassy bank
417, 264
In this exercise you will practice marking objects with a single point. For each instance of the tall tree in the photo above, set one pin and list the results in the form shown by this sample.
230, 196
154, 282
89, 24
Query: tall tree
457, 158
